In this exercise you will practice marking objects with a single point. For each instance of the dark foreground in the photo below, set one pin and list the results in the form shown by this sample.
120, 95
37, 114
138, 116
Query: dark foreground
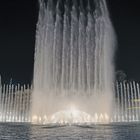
11, 131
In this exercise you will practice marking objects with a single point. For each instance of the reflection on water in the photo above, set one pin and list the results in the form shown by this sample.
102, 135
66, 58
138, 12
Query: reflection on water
9, 131
12, 131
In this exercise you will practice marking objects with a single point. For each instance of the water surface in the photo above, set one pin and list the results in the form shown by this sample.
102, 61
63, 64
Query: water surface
12, 131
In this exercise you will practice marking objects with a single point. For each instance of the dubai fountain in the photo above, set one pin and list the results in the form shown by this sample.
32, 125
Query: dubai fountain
74, 79
74, 69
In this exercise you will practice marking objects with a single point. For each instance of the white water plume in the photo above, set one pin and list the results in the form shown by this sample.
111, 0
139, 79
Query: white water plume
74, 53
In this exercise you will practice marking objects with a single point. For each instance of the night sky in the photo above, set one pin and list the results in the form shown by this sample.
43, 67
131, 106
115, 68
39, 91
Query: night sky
18, 20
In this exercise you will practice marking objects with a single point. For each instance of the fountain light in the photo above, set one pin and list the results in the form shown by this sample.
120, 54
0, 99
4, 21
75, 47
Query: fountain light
136, 100
71, 115
35, 119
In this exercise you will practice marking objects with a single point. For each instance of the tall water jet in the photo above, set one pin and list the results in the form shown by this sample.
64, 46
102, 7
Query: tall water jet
73, 68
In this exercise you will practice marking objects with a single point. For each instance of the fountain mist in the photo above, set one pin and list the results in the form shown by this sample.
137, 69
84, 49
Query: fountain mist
73, 59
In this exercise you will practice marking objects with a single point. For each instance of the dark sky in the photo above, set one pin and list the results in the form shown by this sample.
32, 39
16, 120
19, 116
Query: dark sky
17, 38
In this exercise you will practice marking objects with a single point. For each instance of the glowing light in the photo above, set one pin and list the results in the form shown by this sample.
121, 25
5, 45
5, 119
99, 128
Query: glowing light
136, 100
34, 118
134, 108
71, 116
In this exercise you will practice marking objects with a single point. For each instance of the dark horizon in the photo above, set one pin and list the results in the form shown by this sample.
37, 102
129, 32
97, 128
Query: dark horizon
17, 38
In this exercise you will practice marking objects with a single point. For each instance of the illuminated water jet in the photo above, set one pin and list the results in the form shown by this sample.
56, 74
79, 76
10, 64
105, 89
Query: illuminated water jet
73, 59
71, 116
15, 102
